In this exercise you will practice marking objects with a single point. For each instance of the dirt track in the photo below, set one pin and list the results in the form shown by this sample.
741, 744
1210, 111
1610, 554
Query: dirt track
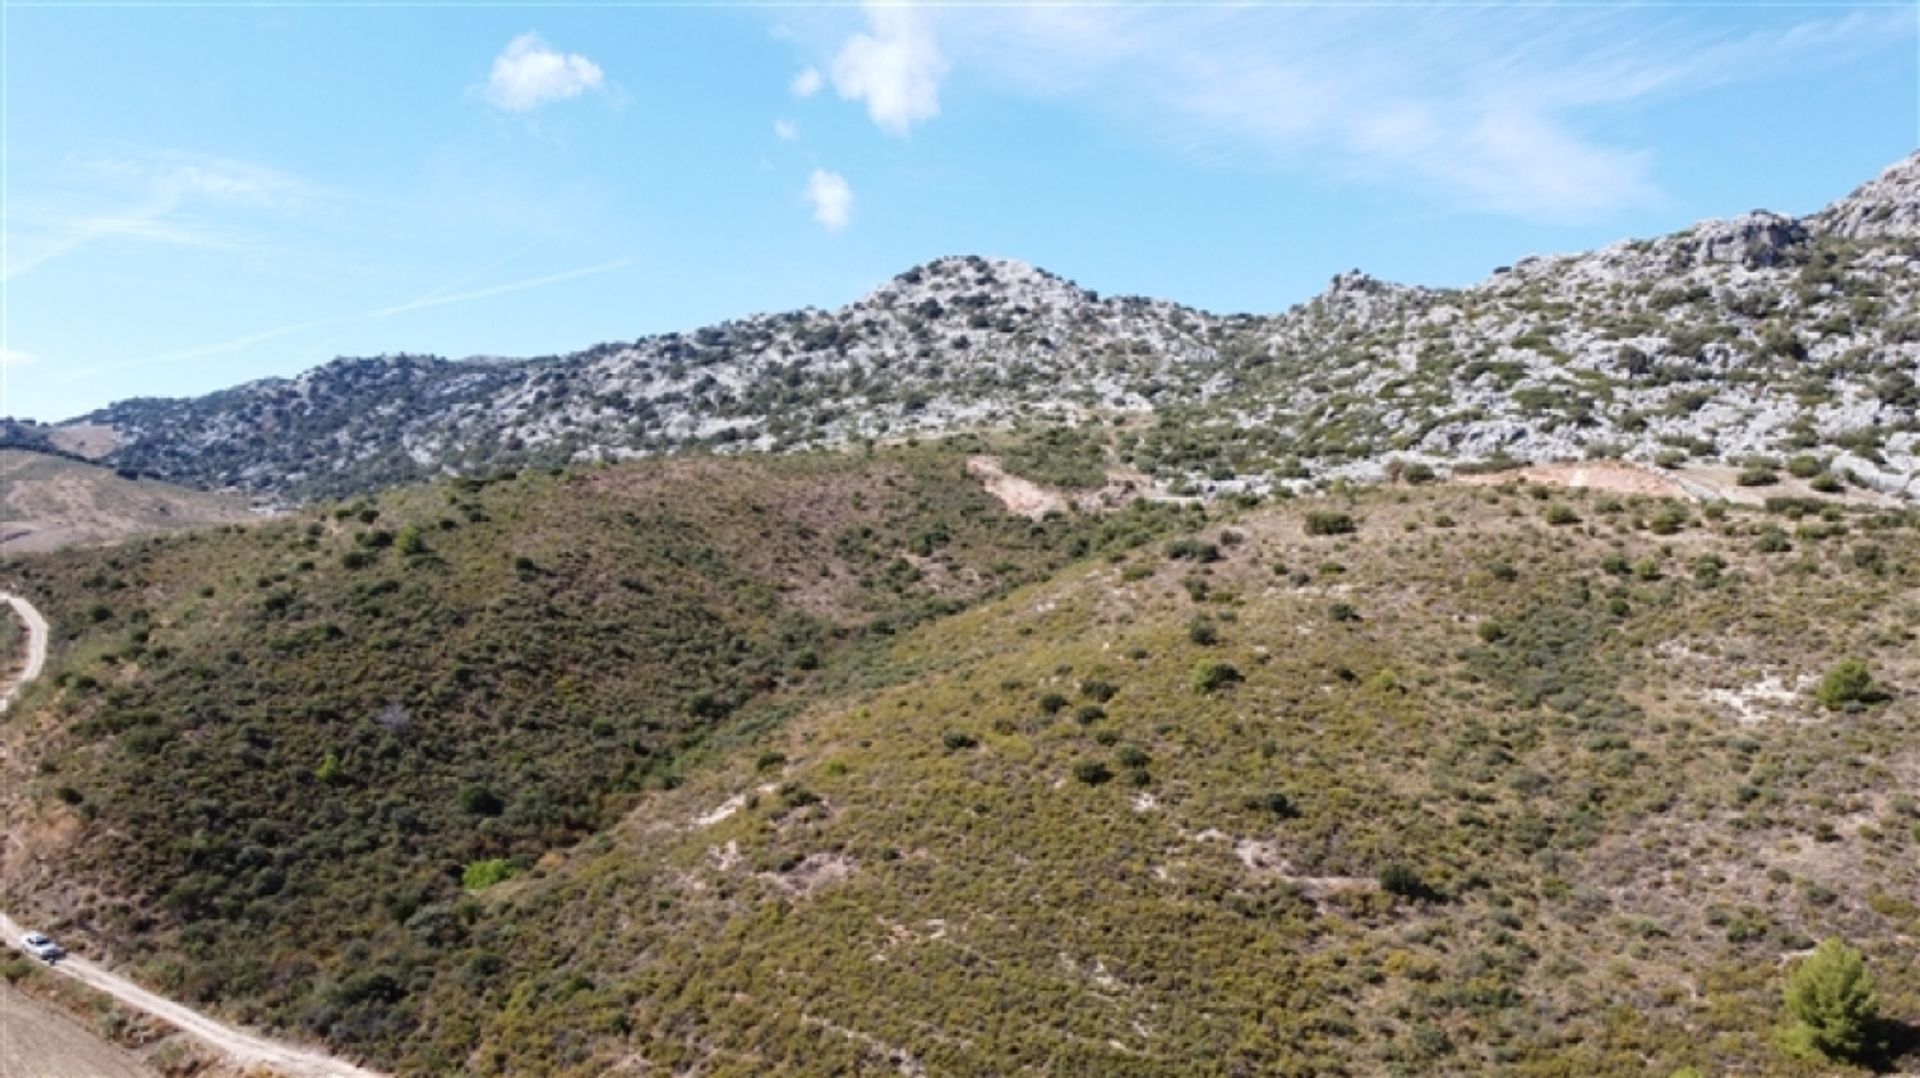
36, 646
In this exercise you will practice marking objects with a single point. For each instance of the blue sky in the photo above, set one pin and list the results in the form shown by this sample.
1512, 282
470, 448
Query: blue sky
202, 195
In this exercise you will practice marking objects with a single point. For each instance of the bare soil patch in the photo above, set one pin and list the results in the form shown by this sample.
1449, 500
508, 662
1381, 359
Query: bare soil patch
90, 440
1614, 476
41, 1041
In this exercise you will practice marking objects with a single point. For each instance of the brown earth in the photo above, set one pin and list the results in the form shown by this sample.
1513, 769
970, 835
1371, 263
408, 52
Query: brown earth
41, 1041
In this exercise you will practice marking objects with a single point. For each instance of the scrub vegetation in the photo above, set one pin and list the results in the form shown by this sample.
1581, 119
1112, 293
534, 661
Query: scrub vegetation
828, 765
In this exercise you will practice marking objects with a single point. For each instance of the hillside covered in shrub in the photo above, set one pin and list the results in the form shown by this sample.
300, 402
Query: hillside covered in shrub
1484, 780
702, 765
268, 762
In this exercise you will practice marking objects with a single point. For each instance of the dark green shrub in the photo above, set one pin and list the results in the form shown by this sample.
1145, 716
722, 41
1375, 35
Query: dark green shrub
1275, 802
477, 800
1398, 879
955, 740
1092, 772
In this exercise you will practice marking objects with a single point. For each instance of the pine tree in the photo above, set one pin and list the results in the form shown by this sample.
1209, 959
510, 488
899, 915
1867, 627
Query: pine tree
1831, 997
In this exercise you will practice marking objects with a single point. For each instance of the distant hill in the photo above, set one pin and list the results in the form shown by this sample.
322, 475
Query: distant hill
49, 501
1756, 336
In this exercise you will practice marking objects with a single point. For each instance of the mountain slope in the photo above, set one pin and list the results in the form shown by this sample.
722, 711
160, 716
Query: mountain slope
1756, 335
1559, 807
1423, 779
263, 759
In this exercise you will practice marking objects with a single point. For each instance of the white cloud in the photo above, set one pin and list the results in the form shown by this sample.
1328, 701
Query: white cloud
13, 357
530, 74
785, 131
895, 68
806, 83
832, 199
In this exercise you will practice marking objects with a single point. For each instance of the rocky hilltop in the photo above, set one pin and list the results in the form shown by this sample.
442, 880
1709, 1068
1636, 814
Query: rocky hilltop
1761, 336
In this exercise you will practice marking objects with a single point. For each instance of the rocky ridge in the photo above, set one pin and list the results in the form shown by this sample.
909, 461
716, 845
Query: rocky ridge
1760, 336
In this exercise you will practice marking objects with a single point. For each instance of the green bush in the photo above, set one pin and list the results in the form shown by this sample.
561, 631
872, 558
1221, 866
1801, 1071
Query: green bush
1209, 675
481, 875
1847, 683
1831, 998
1668, 520
1329, 522
1193, 550
1805, 467
1559, 515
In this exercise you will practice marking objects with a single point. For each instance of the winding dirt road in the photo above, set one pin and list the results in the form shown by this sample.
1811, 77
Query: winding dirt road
246, 1049
36, 646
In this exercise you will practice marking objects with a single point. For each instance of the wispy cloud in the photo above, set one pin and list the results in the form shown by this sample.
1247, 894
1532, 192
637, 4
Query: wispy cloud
14, 358
806, 83
151, 198
175, 176
895, 67
785, 131
439, 297
529, 73
1492, 109
832, 199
